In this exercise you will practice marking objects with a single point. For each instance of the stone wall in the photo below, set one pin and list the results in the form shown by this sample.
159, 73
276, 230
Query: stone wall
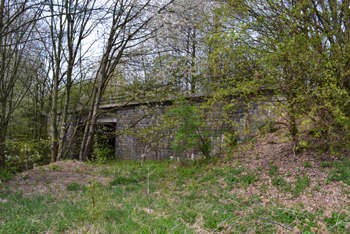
139, 134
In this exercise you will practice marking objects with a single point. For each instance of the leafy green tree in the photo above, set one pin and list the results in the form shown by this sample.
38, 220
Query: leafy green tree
193, 132
298, 51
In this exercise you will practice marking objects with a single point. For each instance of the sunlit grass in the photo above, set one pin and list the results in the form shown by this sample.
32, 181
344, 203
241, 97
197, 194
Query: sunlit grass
184, 197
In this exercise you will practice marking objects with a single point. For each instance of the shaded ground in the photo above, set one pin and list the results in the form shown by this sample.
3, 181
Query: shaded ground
332, 195
55, 177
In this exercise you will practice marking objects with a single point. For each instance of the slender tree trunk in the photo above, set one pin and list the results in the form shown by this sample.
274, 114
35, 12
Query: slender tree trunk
2, 146
293, 128
65, 125
3, 126
86, 129
193, 63
90, 136
54, 131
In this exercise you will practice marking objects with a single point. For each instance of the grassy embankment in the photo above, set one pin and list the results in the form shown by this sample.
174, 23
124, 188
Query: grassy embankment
170, 197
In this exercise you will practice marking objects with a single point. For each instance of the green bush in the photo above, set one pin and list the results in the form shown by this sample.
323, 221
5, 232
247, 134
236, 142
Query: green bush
73, 186
193, 130
21, 154
54, 167
101, 154
266, 126
123, 181
98, 200
5, 175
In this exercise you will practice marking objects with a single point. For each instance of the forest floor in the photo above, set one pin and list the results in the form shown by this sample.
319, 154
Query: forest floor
263, 187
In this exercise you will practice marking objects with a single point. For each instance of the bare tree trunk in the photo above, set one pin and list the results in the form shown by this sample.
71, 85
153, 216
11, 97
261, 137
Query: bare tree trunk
54, 131
16, 26
77, 29
2, 148
65, 124
126, 18
86, 129
2, 135
57, 34
3, 126
90, 136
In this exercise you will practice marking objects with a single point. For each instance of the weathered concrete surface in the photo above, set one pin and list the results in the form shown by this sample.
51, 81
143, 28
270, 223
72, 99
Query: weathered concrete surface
134, 122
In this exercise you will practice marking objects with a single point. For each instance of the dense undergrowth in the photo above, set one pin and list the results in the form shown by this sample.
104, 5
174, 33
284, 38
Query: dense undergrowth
169, 197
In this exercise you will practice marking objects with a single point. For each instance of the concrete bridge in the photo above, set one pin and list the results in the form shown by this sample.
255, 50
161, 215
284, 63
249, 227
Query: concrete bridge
128, 128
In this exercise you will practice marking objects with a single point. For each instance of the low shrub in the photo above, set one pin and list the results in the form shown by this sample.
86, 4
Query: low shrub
123, 181
5, 175
73, 186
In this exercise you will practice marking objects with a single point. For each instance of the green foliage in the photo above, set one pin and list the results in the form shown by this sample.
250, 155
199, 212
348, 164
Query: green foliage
54, 167
5, 175
326, 164
193, 130
235, 176
73, 186
208, 177
101, 154
179, 205
98, 198
123, 181
266, 126
300, 185
341, 171
272, 169
19, 154
235, 171
306, 73
249, 178
232, 139
281, 183
187, 173
307, 164
218, 172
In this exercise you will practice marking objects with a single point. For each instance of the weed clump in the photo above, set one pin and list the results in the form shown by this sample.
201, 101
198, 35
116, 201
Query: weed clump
5, 175
235, 176
54, 167
300, 185
73, 186
272, 169
341, 171
98, 200
123, 181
